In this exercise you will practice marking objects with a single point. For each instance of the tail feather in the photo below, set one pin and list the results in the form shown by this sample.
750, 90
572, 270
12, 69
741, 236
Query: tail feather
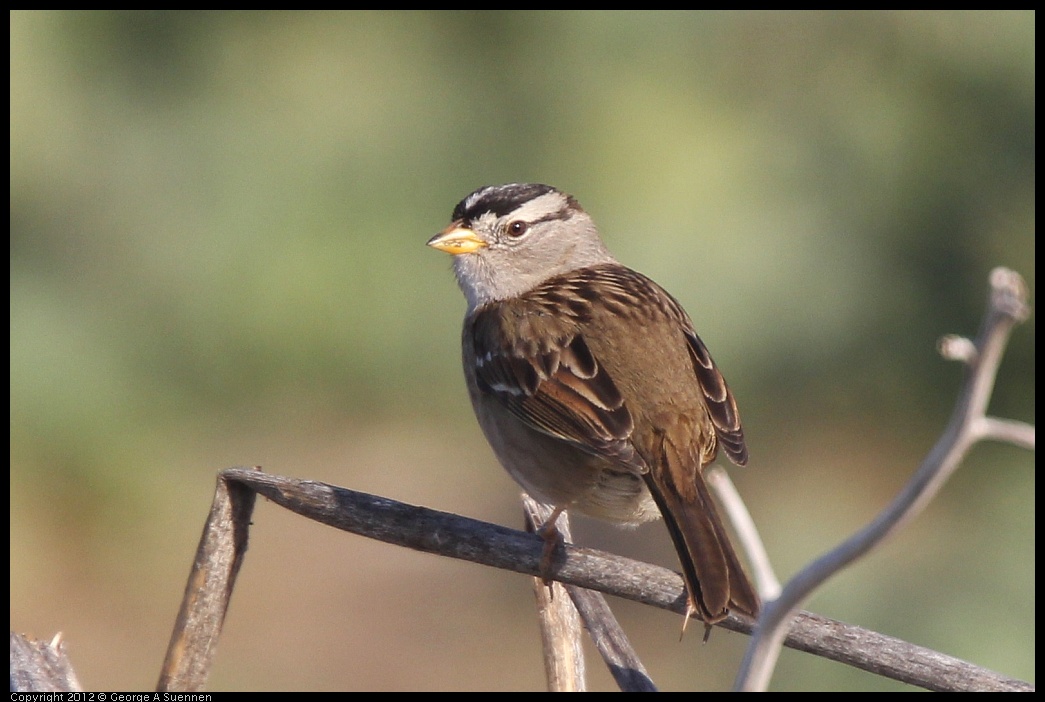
714, 577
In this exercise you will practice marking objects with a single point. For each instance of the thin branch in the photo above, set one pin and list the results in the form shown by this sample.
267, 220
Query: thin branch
41, 666
219, 556
606, 632
557, 618
1007, 306
451, 535
613, 645
1006, 431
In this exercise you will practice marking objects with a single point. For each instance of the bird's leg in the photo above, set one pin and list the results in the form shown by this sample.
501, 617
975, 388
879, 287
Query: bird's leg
552, 538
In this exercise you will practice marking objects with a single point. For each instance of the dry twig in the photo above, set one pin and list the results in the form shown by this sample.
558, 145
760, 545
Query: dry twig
591, 608
451, 535
969, 423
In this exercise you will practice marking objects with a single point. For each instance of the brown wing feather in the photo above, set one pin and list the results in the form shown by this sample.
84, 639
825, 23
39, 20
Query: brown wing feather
722, 408
560, 389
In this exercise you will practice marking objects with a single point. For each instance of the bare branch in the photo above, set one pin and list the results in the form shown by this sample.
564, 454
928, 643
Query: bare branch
893, 658
1006, 307
610, 640
607, 634
1005, 430
451, 535
39, 666
557, 618
219, 556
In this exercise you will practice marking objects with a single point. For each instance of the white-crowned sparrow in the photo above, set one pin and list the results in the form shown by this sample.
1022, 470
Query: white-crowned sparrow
589, 381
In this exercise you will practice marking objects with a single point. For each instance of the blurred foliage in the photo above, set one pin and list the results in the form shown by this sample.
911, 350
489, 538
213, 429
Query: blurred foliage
217, 229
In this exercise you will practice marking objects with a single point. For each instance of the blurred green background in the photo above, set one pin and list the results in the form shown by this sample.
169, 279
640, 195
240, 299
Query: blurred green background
217, 258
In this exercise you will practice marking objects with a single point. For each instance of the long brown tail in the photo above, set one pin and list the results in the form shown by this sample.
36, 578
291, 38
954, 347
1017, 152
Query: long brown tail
714, 577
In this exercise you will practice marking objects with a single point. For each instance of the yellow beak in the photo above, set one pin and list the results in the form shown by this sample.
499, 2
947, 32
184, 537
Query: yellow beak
456, 240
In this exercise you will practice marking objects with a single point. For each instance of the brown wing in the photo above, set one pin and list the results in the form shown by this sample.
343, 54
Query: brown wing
531, 355
624, 288
540, 368
722, 408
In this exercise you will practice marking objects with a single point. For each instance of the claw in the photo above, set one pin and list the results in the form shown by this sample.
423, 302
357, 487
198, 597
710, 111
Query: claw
690, 609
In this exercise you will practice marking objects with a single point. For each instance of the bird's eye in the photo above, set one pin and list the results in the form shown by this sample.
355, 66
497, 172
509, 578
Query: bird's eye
517, 228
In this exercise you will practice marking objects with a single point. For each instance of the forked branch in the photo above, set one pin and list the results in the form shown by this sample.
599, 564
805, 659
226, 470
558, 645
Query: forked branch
969, 423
